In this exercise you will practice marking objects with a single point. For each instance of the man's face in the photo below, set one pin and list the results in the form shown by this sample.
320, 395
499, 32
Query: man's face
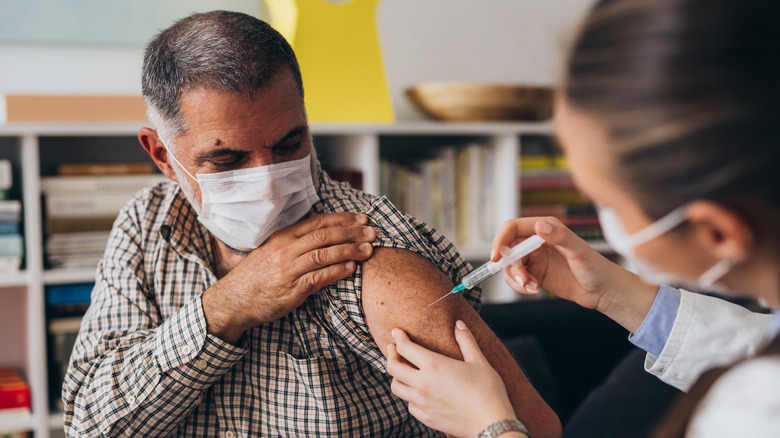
229, 132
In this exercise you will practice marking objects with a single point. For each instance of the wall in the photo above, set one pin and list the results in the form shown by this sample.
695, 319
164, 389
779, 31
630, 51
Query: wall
486, 40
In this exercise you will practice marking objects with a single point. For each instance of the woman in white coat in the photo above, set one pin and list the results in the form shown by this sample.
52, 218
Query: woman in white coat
669, 116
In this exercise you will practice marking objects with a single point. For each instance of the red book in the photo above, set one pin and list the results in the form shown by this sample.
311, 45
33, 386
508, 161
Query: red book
14, 392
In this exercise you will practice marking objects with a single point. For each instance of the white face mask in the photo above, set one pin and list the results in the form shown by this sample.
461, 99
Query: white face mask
624, 244
242, 208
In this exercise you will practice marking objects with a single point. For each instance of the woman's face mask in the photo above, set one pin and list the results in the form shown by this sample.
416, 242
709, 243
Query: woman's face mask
242, 208
624, 244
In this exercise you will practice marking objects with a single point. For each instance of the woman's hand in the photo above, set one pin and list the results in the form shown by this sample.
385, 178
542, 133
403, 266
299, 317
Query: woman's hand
568, 267
459, 398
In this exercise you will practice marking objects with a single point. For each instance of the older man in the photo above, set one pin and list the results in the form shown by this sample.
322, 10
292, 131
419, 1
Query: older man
202, 322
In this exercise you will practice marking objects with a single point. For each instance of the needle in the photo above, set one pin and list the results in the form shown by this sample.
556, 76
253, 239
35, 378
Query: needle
457, 289
445, 296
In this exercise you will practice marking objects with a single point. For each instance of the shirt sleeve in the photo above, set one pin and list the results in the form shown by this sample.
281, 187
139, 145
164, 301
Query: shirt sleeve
707, 332
655, 329
131, 373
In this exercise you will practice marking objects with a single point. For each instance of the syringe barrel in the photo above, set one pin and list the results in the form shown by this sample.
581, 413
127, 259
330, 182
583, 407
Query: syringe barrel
480, 274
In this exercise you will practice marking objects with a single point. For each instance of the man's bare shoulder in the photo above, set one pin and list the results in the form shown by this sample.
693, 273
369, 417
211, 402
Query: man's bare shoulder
398, 285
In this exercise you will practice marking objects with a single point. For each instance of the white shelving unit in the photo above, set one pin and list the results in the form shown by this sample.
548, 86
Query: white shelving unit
33, 147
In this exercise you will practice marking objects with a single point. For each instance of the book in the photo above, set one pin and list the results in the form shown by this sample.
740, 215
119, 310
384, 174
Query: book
9, 228
77, 169
547, 179
68, 293
63, 332
11, 245
352, 177
563, 196
540, 162
10, 264
79, 224
87, 240
79, 205
6, 178
71, 108
10, 211
127, 183
14, 395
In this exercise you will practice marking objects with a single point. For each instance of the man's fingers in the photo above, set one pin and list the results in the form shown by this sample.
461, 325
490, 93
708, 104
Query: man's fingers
323, 237
331, 255
315, 280
468, 345
316, 221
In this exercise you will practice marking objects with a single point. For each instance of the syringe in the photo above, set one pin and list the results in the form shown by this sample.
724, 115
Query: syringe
489, 269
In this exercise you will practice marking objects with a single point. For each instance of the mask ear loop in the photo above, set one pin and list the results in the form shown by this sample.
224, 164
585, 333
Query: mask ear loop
175, 160
658, 228
715, 273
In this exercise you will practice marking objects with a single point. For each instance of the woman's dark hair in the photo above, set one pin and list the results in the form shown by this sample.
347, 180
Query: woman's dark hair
689, 91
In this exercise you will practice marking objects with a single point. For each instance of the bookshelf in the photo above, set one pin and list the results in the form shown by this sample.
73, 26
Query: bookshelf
35, 148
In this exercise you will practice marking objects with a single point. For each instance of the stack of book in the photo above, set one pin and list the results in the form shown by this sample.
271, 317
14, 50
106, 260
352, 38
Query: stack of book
65, 306
81, 204
547, 188
14, 395
447, 191
11, 242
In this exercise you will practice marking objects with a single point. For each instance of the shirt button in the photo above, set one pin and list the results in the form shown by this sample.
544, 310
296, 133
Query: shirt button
230, 434
185, 350
200, 364
131, 399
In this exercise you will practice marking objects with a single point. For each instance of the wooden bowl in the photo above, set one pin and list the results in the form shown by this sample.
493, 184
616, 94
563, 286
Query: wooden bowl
468, 101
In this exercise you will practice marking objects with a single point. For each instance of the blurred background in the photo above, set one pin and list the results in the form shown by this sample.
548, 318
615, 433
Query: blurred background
94, 46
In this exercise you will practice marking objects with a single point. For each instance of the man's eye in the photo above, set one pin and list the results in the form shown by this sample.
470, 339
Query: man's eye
227, 162
287, 148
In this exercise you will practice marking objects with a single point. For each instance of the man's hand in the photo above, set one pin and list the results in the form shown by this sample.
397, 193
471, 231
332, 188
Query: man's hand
279, 275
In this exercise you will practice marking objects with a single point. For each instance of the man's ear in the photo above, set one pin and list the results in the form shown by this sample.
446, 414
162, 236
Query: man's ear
719, 229
154, 146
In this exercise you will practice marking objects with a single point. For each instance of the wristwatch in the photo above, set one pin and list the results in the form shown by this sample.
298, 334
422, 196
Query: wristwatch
502, 426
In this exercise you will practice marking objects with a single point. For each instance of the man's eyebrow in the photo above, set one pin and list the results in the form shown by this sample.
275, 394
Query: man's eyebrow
217, 153
295, 132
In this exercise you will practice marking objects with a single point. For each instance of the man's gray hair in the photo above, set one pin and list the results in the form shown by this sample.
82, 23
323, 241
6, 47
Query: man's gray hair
219, 50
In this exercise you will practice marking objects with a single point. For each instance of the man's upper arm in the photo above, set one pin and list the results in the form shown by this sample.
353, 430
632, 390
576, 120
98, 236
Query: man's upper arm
398, 286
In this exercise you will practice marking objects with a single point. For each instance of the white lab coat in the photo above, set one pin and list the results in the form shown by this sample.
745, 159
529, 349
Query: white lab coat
709, 332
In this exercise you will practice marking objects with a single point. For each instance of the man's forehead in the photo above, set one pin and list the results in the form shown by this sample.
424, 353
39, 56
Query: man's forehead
221, 119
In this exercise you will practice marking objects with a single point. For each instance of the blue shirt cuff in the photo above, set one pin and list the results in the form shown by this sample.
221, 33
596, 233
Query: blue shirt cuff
774, 326
655, 329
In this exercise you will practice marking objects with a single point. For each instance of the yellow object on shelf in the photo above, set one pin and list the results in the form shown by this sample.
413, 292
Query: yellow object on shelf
337, 46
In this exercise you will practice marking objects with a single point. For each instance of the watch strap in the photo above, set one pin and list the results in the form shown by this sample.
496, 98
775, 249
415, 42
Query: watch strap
502, 426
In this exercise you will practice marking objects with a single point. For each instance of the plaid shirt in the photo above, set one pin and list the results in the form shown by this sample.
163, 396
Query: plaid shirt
144, 365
